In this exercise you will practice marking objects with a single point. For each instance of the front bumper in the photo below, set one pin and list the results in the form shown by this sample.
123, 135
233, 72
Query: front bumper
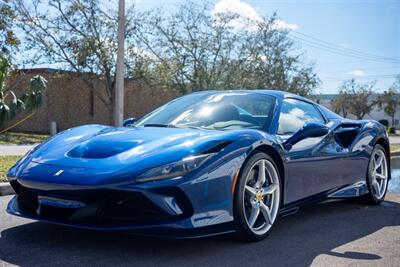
162, 211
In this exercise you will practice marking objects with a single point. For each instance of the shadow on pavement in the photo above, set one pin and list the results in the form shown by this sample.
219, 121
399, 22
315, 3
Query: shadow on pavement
296, 241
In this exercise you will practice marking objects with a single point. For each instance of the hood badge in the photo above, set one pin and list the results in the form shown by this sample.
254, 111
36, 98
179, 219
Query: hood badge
58, 173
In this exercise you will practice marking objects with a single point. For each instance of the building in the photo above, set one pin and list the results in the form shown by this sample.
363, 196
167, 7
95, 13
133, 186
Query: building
69, 102
376, 113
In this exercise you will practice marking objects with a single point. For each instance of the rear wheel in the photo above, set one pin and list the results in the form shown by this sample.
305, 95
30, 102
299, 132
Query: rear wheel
257, 198
377, 177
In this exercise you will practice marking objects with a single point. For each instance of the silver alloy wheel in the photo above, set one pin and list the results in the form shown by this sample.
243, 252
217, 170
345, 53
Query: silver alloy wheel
379, 173
261, 196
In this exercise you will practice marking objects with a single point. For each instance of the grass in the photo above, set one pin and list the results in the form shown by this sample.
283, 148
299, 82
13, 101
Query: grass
394, 148
5, 164
13, 138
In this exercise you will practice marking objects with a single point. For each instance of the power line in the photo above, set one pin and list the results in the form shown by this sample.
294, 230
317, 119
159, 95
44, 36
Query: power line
363, 69
345, 62
335, 49
345, 49
367, 77
356, 61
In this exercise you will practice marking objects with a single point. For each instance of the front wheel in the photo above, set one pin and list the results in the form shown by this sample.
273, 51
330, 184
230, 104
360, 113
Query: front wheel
377, 177
257, 197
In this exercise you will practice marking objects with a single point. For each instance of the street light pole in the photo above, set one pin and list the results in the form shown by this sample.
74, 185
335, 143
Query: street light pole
119, 83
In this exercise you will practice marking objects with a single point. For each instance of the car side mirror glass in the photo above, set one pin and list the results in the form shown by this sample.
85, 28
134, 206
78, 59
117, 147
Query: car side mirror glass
310, 129
129, 122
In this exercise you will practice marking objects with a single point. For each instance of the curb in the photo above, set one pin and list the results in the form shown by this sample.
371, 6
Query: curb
6, 189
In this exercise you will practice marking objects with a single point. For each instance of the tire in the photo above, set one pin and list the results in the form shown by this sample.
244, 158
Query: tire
253, 225
377, 177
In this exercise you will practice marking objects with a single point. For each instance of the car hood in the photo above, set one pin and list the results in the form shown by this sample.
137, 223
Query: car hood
97, 154
103, 147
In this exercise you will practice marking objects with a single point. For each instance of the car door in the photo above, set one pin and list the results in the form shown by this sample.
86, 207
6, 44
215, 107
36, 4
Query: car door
353, 140
313, 165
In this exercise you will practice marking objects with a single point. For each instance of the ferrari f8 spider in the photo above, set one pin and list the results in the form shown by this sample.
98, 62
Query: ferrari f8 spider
206, 163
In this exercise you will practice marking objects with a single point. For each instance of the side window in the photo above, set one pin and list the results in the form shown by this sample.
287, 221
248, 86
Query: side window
294, 114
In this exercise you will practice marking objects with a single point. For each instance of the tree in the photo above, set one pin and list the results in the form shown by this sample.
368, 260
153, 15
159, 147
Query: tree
390, 100
189, 50
76, 35
358, 97
269, 59
341, 103
194, 49
10, 103
185, 51
8, 39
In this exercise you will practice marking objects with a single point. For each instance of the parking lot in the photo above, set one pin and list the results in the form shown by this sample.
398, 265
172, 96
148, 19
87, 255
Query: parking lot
332, 234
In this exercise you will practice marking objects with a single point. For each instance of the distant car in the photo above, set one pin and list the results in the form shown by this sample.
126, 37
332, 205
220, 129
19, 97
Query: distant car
205, 163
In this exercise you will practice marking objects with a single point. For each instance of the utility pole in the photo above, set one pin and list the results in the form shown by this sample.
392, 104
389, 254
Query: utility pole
119, 83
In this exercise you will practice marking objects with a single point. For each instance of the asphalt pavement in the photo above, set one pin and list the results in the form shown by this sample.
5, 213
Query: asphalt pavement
341, 233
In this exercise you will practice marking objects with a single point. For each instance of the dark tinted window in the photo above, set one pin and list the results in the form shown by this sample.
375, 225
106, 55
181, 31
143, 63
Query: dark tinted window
294, 114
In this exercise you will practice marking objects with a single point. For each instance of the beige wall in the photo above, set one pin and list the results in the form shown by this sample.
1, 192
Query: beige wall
67, 101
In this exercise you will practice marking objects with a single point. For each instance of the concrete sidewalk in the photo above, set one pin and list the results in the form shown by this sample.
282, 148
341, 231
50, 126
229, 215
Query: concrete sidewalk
15, 150
394, 140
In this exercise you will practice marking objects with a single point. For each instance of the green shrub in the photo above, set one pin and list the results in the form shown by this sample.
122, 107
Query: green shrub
391, 130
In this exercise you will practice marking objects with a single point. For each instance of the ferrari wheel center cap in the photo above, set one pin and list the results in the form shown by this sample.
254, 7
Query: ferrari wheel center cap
259, 196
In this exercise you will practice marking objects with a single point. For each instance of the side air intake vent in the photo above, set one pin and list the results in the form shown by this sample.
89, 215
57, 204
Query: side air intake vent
217, 147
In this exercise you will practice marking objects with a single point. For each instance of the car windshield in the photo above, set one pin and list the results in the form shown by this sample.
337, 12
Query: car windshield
216, 111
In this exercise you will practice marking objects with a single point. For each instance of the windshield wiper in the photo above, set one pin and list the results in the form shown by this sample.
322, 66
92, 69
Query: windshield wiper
160, 125
194, 127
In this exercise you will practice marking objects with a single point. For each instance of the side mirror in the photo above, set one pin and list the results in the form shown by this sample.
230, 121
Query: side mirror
310, 129
129, 122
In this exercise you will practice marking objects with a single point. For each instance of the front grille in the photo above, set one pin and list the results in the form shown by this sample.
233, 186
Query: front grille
131, 207
57, 213
104, 207
27, 199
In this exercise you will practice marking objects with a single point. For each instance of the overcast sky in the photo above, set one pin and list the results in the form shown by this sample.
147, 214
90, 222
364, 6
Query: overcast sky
346, 38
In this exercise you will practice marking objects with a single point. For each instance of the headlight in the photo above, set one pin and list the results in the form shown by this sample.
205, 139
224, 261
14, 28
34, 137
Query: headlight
174, 169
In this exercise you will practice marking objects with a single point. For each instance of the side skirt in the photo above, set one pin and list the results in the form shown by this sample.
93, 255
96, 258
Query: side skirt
350, 191
353, 190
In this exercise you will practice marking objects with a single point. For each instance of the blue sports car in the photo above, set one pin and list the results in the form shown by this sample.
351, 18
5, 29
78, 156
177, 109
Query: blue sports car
206, 163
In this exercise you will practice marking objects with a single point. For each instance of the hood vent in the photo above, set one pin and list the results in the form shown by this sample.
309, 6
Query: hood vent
100, 149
